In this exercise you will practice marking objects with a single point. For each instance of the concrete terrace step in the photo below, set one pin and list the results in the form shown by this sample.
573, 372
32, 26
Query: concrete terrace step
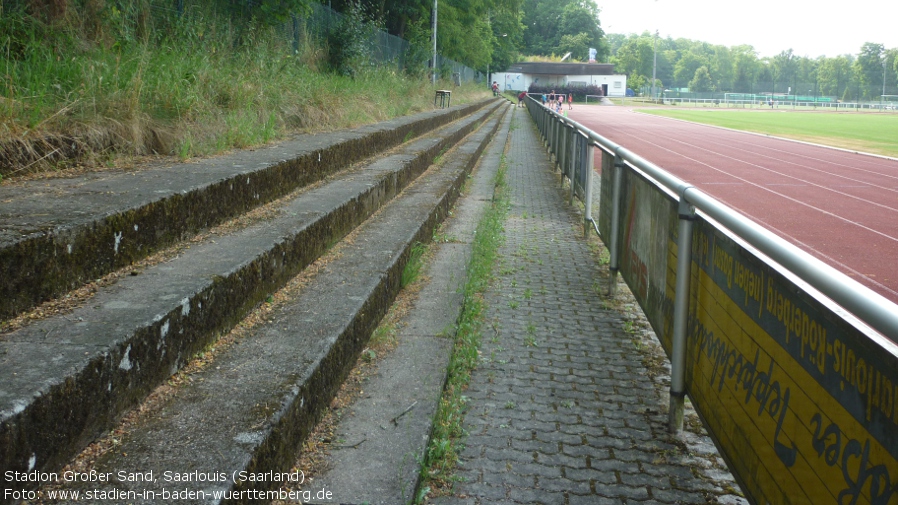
251, 408
65, 380
57, 234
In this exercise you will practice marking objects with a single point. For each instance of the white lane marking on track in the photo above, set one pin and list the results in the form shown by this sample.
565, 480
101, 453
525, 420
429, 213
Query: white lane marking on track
795, 200
821, 186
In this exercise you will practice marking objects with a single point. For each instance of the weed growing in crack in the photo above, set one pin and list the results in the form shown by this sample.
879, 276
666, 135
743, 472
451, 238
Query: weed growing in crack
441, 455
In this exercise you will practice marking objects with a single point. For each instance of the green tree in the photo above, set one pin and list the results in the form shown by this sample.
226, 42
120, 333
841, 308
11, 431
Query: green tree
542, 20
685, 69
398, 16
419, 57
476, 33
665, 69
702, 82
635, 56
745, 69
547, 22
349, 45
722, 68
769, 79
508, 32
464, 36
636, 81
891, 71
740, 69
833, 75
868, 68
280, 11
786, 67
578, 45
615, 41
579, 20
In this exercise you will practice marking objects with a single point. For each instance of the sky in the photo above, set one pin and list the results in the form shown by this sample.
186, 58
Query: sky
809, 27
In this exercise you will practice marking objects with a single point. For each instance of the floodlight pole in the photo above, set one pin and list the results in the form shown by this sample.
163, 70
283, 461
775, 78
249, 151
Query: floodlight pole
655, 64
434, 68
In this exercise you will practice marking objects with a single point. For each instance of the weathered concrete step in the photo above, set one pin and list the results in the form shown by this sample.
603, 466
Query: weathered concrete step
57, 234
383, 435
64, 380
251, 408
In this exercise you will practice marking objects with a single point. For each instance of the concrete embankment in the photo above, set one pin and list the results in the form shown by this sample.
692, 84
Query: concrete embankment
65, 380
57, 234
248, 412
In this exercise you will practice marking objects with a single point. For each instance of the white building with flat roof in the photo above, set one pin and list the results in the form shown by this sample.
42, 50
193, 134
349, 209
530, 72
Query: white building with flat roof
520, 76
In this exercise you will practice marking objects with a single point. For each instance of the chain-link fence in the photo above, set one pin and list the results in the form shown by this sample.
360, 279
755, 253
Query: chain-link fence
851, 92
384, 49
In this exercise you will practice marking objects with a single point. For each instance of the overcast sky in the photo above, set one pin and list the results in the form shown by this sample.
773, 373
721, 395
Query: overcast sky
810, 28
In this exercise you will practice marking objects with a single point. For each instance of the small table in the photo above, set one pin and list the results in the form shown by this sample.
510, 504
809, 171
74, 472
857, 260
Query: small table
444, 95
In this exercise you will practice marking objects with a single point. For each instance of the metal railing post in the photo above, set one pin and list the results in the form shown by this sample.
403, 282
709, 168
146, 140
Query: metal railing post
550, 138
616, 190
556, 138
686, 213
556, 135
588, 165
573, 135
563, 150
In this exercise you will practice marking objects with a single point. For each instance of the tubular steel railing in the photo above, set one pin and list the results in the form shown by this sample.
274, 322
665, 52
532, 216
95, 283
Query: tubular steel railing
572, 146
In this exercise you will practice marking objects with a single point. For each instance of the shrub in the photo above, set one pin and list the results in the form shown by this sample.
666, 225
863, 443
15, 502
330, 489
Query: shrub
349, 44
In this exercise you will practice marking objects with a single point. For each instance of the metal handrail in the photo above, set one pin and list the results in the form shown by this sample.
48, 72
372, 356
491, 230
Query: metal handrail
869, 307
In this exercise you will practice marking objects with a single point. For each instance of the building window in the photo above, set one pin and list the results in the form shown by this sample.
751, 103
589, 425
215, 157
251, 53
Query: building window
617, 84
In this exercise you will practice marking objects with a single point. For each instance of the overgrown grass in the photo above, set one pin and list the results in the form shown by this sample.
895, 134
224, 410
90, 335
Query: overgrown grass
871, 132
441, 456
413, 266
193, 85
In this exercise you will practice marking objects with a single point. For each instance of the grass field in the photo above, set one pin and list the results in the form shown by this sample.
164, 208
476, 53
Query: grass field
869, 132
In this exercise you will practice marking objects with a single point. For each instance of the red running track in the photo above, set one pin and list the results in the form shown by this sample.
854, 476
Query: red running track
839, 206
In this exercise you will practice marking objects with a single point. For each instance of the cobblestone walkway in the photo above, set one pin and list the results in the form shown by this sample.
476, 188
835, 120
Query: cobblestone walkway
561, 409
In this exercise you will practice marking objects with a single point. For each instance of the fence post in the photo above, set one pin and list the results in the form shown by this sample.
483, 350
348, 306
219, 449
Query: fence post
588, 166
686, 214
574, 137
563, 149
553, 145
616, 190
542, 123
295, 34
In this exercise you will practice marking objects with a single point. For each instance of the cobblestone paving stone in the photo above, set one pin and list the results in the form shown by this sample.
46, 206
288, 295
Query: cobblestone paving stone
561, 410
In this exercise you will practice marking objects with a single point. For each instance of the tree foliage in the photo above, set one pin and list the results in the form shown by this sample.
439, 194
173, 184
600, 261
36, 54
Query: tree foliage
555, 27
869, 69
635, 57
740, 69
483, 34
477, 33
348, 45
577, 45
701, 82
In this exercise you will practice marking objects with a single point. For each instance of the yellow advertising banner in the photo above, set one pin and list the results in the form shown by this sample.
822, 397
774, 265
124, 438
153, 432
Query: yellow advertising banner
802, 403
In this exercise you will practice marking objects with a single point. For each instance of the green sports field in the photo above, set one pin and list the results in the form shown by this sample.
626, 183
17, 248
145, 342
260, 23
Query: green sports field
869, 132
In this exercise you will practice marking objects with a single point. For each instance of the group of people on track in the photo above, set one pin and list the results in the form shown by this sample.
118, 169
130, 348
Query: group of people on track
553, 101
556, 101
